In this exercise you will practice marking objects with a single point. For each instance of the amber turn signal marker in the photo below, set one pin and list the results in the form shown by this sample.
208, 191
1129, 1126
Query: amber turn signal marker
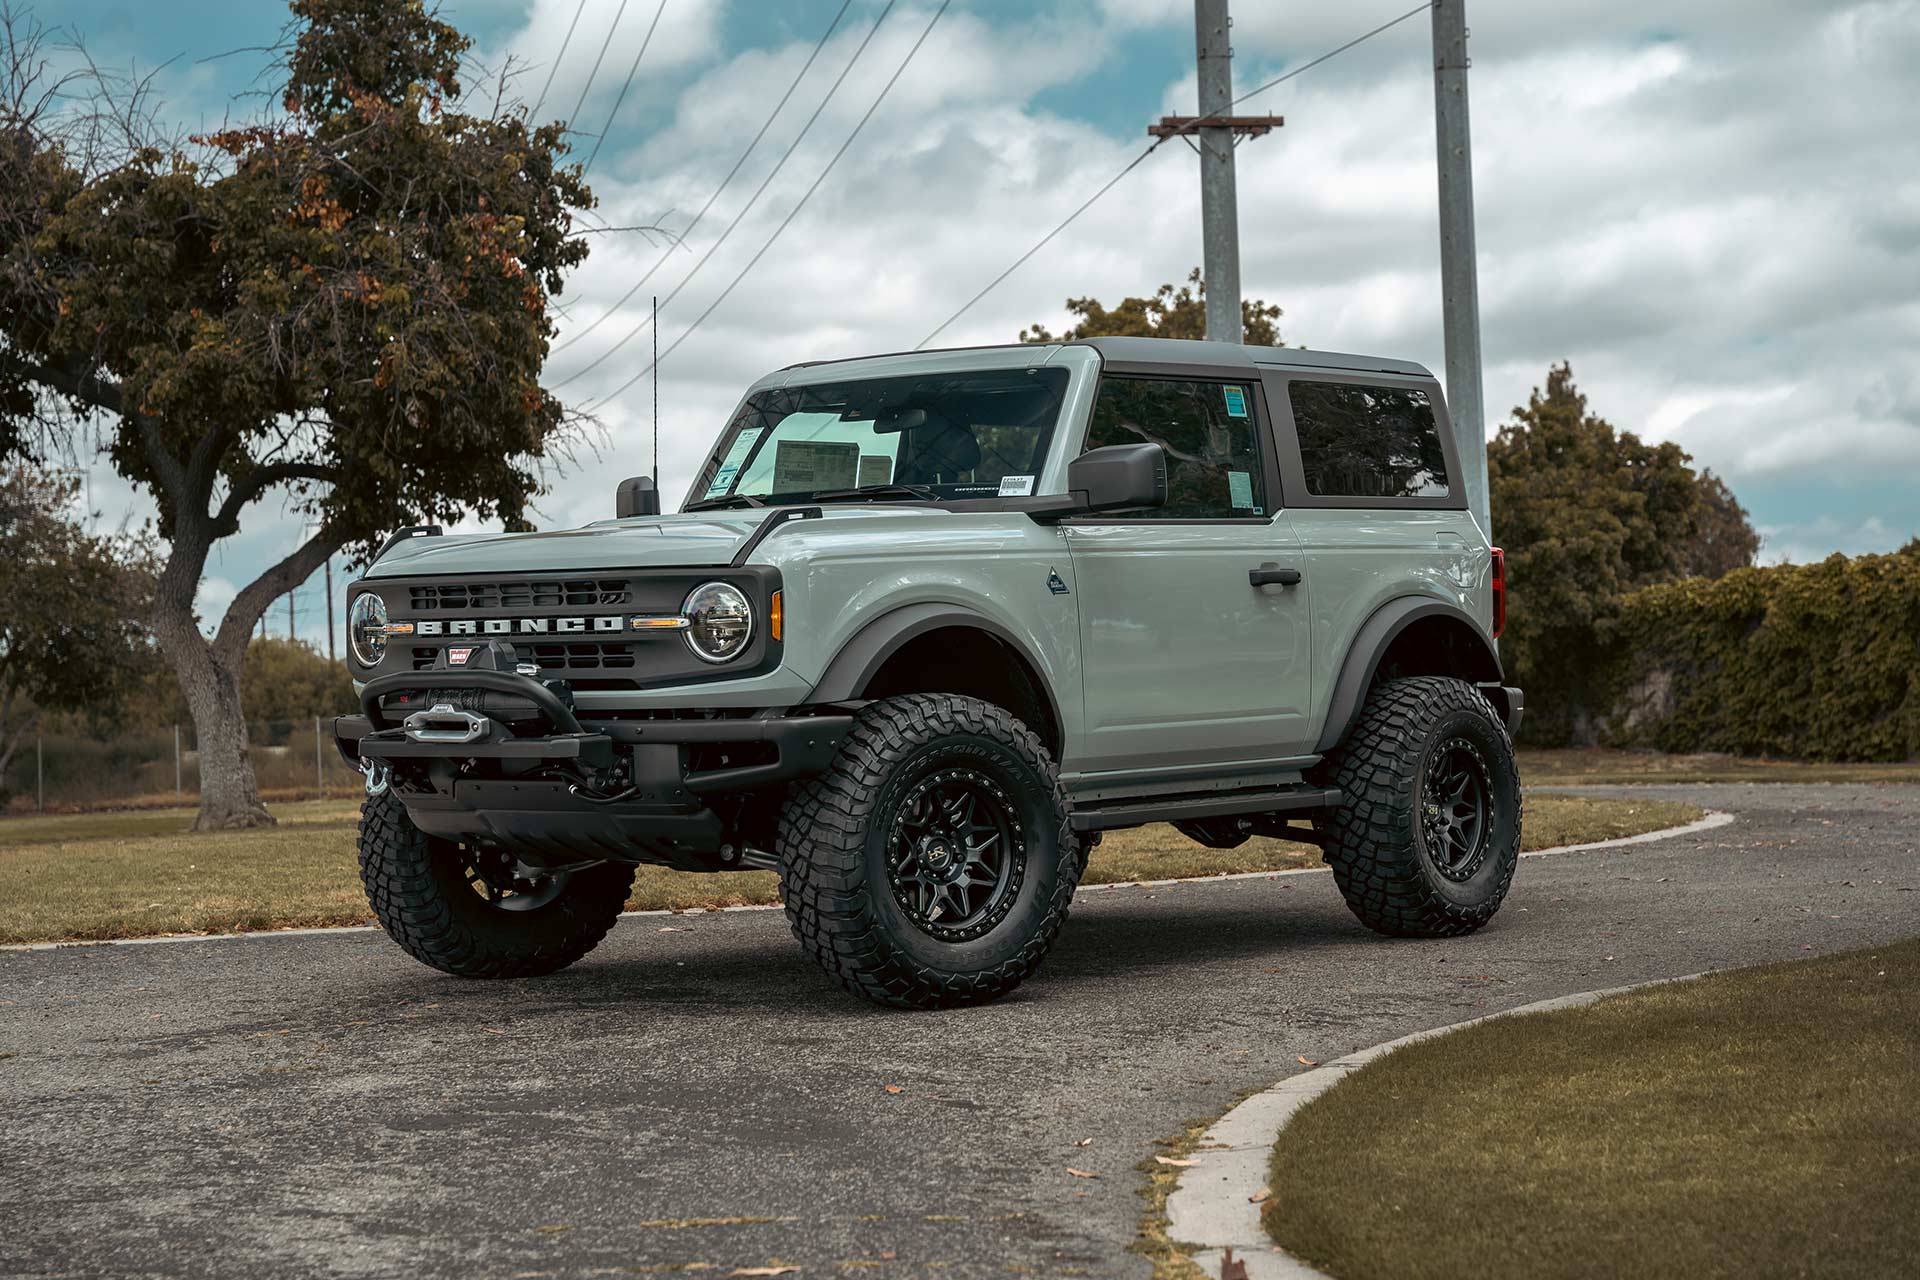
773, 617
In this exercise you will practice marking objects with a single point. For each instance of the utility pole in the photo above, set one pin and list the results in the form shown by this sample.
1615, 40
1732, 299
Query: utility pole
1217, 133
289, 615
330, 655
1219, 196
1459, 276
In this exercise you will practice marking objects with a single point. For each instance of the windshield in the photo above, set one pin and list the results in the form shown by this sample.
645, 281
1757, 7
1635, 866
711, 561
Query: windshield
924, 438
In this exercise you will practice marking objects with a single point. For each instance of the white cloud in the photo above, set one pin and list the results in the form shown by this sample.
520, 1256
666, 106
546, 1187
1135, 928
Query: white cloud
688, 33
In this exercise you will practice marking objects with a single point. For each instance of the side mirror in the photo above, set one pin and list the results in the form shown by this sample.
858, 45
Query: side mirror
636, 497
1119, 476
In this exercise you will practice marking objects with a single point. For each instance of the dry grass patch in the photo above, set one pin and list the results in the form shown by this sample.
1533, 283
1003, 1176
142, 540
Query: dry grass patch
1603, 766
1759, 1122
136, 873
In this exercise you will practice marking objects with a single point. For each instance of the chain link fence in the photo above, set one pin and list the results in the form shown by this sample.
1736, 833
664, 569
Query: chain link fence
160, 765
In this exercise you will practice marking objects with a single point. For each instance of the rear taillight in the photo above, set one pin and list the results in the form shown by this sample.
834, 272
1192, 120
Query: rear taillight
1499, 592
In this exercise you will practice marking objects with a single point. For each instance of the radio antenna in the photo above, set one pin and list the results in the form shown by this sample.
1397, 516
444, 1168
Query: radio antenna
656, 391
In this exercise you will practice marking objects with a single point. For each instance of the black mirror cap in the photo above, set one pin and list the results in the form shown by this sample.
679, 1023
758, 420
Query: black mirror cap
636, 497
1119, 476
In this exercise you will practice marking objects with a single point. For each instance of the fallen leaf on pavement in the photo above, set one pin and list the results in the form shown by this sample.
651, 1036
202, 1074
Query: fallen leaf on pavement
763, 1271
1084, 1142
1304, 1060
894, 1088
1263, 1194
1081, 1173
552, 1228
1178, 1164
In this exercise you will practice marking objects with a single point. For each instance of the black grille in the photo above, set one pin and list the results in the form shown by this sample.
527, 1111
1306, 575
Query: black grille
571, 593
584, 655
578, 656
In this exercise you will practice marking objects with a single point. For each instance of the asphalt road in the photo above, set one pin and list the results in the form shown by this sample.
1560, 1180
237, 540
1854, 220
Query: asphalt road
694, 1092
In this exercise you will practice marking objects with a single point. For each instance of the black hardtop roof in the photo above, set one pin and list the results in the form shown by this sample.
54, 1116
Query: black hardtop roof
1178, 352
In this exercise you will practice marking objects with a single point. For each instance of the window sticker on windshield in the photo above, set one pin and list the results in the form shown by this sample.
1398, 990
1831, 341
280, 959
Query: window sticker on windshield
730, 465
1236, 407
1016, 486
807, 465
1240, 489
875, 468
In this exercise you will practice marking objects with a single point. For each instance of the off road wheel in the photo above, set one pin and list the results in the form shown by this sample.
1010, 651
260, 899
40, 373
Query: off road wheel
933, 864
477, 914
1428, 837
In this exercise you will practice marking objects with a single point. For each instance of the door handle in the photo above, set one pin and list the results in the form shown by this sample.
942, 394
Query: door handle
1273, 575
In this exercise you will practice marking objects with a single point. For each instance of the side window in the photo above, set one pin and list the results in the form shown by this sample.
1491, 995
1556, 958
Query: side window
1367, 442
1214, 469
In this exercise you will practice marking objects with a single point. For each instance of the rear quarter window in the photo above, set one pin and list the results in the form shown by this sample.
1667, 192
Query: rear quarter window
1361, 441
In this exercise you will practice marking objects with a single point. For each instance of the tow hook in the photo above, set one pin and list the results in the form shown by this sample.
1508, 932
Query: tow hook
378, 776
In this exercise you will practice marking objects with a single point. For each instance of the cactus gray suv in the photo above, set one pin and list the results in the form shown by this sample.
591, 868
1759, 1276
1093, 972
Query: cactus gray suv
926, 625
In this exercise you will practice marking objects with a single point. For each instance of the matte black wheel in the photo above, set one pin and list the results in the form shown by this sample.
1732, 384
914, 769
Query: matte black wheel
1426, 842
956, 854
480, 913
934, 862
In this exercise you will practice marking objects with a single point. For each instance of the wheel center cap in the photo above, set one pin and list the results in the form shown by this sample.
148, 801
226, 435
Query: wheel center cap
938, 853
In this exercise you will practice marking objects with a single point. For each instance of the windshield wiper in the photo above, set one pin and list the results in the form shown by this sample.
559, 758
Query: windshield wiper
874, 492
731, 500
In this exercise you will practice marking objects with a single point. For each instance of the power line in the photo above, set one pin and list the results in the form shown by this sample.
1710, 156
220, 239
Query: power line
555, 64
623, 88
598, 58
1331, 53
875, 106
714, 248
1155, 146
731, 174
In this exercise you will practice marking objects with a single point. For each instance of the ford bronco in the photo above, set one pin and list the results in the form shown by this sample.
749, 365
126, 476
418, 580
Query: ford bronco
924, 627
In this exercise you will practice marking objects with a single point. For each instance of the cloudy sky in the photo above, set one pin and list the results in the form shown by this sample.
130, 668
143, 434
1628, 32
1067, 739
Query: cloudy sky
1712, 210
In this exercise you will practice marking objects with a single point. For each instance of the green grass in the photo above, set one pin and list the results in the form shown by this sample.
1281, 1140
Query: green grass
1542, 766
1760, 1122
135, 873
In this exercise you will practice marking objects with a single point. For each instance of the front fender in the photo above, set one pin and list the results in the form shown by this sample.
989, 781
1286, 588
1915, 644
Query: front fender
863, 655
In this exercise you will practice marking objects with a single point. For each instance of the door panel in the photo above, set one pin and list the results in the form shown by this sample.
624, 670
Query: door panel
1184, 661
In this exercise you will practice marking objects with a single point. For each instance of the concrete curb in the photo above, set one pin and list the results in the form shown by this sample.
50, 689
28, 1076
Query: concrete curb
1714, 818
1211, 1205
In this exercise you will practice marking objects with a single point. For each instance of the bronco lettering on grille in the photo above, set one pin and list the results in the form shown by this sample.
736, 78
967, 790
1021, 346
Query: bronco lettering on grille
601, 623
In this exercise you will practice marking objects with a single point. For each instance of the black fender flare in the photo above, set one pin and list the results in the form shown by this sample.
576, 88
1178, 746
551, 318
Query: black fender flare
1370, 645
861, 658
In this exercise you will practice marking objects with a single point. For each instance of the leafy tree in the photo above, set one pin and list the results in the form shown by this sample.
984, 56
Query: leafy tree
291, 680
1723, 540
70, 605
345, 306
1589, 514
1169, 313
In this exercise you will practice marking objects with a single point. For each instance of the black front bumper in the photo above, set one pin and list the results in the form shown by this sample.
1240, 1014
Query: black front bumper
683, 790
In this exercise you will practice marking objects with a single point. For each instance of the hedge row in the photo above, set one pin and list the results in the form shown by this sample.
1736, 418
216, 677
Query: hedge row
1817, 661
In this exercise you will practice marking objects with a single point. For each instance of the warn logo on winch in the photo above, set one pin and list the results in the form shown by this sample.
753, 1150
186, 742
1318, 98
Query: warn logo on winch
613, 623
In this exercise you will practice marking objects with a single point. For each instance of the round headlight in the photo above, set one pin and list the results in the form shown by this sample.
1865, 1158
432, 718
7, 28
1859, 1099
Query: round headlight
719, 622
367, 628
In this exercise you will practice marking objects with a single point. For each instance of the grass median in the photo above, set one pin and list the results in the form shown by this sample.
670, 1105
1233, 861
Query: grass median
1759, 1122
1598, 766
131, 874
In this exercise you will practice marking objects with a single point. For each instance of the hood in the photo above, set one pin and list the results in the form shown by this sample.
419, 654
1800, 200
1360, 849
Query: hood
699, 540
